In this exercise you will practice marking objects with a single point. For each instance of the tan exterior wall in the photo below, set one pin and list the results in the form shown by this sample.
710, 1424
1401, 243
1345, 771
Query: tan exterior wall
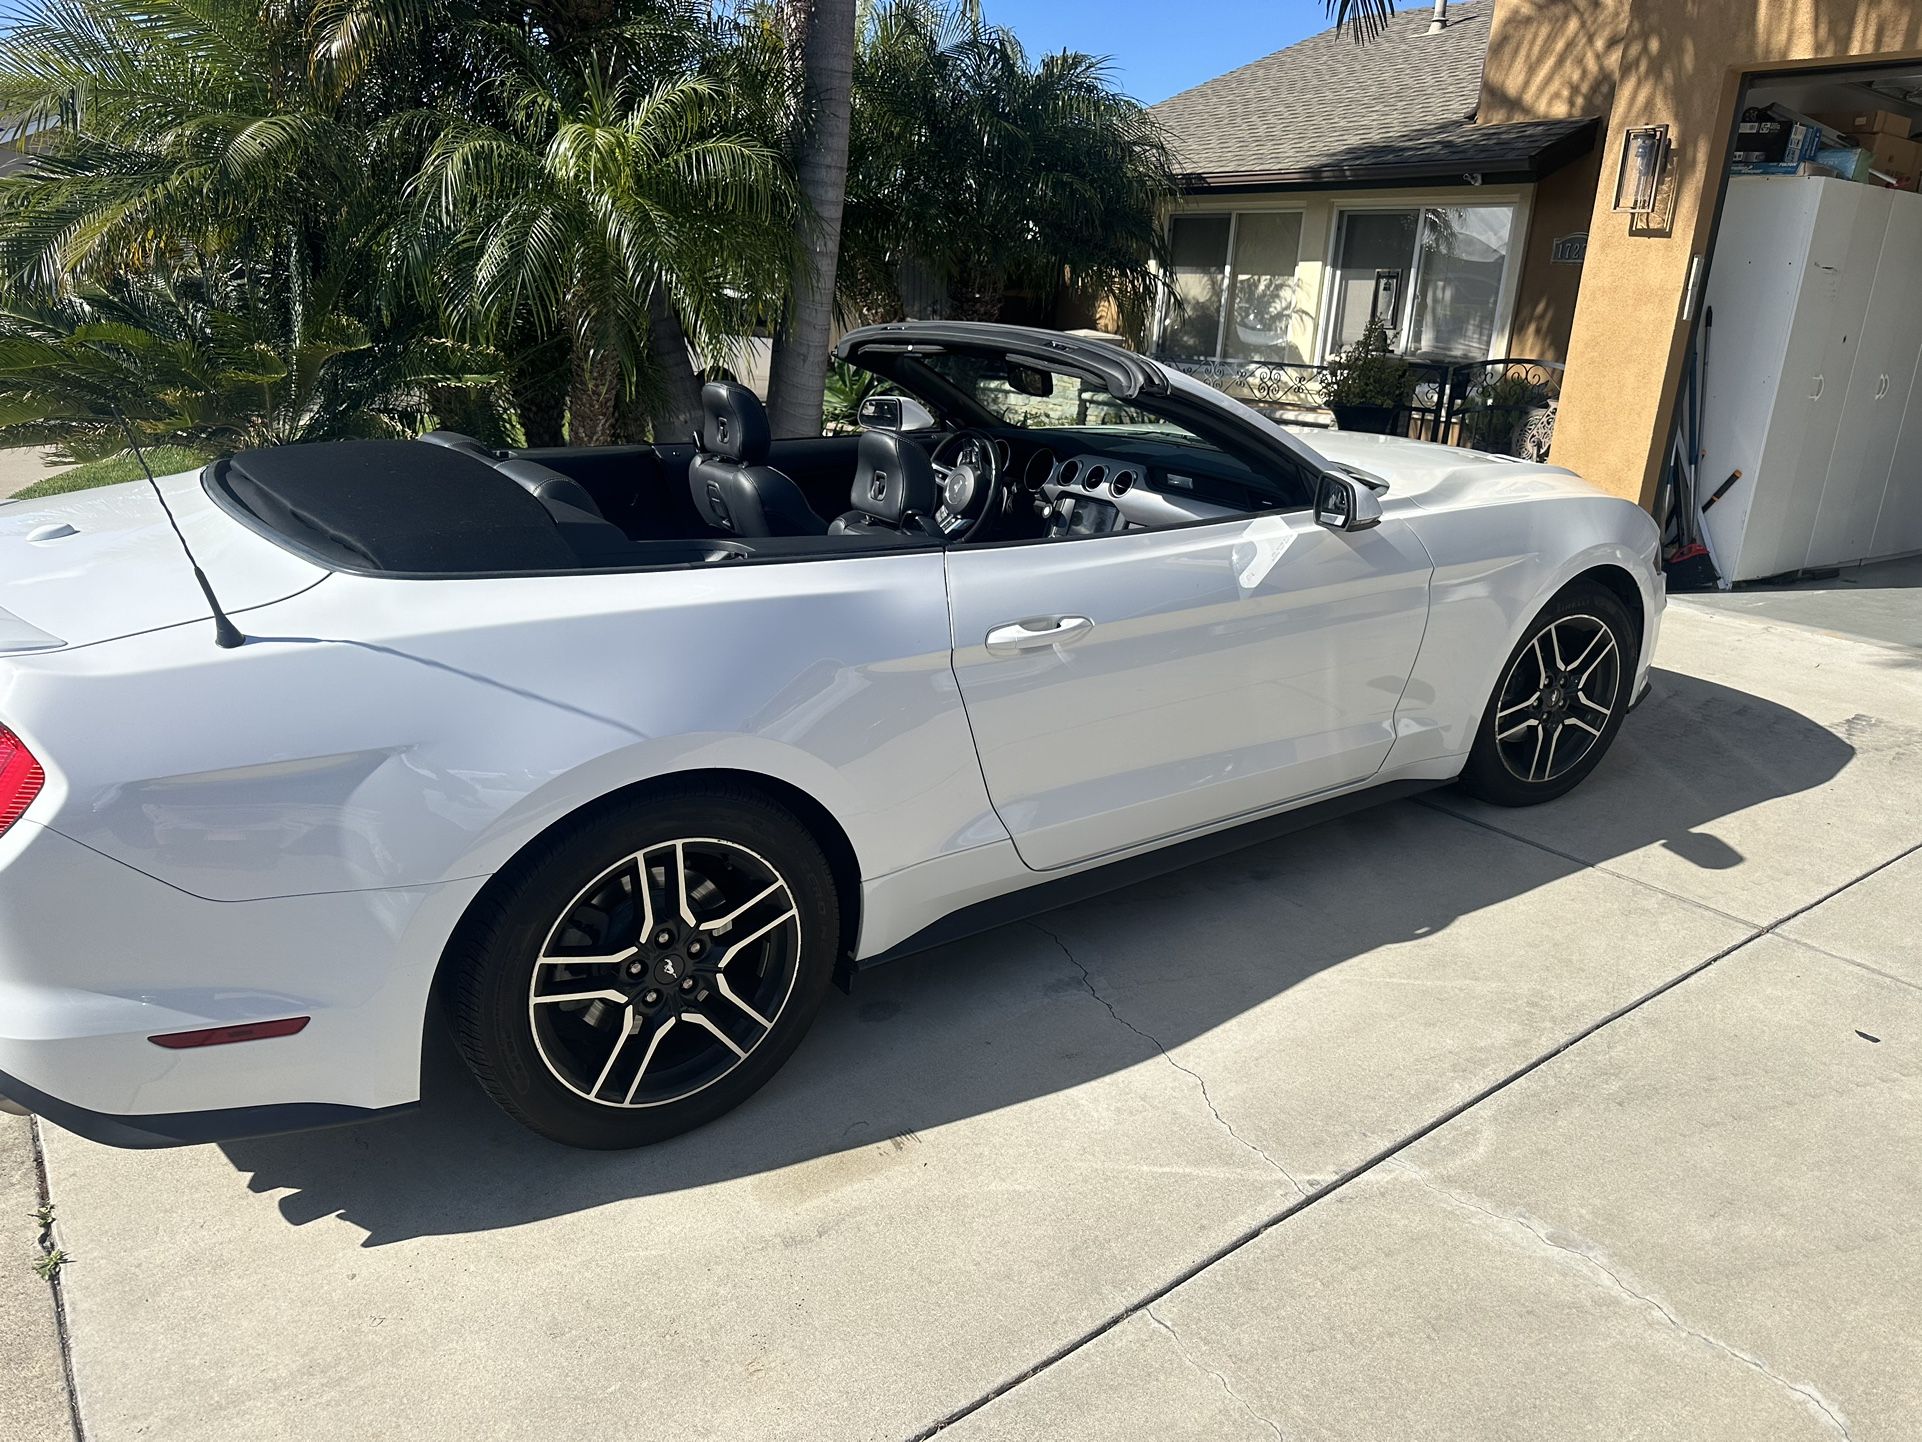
1545, 300
1679, 63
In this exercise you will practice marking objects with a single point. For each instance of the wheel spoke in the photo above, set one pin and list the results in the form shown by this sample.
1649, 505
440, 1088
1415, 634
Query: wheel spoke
1541, 663
680, 883
1521, 705
606, 994
1593, 642
1555, 645
1606, 653
1591, 730
722, 923
1536, 758
628, 1027
1512, 732
610, 958
1555, 740
647, 1057
721, 985
756, 935
1595, 706
694, 1018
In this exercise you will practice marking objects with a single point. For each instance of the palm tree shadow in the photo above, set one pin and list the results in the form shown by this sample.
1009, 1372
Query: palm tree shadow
1024, 1012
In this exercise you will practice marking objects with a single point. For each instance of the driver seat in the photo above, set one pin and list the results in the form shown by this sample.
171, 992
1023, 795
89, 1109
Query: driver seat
735, 490
894, 493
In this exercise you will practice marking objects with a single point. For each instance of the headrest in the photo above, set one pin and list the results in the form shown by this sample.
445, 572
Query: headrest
892, 477
549, 485
734, 423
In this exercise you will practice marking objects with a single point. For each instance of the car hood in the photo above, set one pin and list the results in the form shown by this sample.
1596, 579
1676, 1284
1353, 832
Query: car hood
1434, 476
101, 564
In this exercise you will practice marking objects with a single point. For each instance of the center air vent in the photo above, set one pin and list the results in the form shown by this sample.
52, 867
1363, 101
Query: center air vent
1123, 482
1095, 476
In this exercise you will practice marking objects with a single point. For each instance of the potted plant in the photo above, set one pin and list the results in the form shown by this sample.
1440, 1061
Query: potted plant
1494, 413
1367, 384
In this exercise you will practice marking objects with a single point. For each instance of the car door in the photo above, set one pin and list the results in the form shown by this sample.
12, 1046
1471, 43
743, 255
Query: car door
1129, 687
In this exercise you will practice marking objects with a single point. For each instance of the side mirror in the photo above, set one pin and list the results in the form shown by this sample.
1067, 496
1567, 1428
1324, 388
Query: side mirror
894, 413
1343, 503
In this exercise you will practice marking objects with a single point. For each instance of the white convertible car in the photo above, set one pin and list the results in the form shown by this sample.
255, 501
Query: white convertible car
623, 755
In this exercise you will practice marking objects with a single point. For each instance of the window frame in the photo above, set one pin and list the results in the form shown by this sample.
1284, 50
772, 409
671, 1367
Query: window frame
1234, 214
1501, 330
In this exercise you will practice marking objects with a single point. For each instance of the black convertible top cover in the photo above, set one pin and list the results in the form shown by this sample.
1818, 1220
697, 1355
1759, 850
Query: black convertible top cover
393, 506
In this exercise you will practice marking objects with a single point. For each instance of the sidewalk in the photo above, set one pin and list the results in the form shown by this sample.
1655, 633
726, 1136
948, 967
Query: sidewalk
20, 469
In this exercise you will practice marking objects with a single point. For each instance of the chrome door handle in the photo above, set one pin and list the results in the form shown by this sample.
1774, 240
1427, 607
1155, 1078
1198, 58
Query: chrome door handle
1037, 632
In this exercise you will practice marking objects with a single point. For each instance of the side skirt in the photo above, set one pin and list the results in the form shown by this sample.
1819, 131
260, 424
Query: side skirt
982, 916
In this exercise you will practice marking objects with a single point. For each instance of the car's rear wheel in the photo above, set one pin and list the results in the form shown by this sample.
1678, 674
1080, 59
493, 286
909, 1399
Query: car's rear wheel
1561, 699
647, 969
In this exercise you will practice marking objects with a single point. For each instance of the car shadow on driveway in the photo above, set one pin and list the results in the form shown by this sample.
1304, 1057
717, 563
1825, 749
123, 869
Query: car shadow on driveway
1011, 1016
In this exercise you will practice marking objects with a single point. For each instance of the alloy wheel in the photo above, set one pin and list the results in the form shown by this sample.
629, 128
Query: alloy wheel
1557, 699
665, 972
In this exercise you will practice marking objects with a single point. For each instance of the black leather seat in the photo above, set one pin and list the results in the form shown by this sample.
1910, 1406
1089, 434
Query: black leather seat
734, 488
894, 493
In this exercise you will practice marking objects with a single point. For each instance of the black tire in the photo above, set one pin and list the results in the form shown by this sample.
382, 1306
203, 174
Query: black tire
579, 897
1524, 769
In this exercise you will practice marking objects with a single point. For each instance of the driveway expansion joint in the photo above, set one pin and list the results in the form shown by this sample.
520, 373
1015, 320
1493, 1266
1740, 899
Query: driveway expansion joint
1202, 1367
1087, 980
1594, 1261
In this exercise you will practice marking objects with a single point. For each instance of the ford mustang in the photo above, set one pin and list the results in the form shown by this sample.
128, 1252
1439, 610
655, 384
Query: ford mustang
624, 756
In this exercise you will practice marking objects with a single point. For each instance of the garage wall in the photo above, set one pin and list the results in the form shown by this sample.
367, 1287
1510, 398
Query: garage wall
1650, 62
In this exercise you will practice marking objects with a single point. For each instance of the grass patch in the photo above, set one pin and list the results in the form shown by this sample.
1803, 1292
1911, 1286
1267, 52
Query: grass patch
112, 470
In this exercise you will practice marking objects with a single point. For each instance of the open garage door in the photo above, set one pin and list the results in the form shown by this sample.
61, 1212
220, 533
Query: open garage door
1802, 440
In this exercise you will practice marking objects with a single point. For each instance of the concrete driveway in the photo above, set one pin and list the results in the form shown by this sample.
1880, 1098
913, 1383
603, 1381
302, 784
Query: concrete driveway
1598, 1120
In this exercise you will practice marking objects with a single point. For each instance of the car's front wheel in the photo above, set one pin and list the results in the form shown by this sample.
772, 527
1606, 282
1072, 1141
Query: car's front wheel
647, 969
1561, 699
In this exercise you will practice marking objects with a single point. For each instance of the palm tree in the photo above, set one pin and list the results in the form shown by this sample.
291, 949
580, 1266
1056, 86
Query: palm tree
1367, 18
613, 202
822, 37
991, 173
191, 131
212, 363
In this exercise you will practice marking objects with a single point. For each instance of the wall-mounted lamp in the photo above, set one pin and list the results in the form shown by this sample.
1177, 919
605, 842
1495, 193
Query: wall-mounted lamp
1644, 159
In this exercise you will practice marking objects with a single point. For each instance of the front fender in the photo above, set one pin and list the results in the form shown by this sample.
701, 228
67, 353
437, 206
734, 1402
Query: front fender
1496, 567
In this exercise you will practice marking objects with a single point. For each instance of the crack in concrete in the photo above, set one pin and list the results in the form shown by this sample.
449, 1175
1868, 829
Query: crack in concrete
1087, 980
1803, 1392
1200, 1366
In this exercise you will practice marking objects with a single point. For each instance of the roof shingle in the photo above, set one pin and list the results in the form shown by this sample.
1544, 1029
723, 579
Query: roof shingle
1331, 108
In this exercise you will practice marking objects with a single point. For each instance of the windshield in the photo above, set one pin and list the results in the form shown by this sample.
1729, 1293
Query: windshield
1032, 398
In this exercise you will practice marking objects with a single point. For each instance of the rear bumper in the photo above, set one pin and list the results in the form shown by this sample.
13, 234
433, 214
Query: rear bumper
96, 957
180, 1129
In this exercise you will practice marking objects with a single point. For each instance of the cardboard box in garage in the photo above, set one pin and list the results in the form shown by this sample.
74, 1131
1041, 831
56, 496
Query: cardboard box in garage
1868, 122
1892, 154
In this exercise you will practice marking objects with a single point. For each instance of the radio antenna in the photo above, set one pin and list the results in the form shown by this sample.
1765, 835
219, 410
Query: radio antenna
226, 634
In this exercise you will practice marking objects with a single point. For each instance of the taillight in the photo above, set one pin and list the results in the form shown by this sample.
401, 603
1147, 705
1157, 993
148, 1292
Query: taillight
20, 778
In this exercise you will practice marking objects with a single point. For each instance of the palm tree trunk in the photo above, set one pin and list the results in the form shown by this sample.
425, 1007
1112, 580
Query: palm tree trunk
538, 382
799, 367
676, 412
593, 399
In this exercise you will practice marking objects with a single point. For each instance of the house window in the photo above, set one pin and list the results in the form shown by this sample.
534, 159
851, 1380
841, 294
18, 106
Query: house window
1433, 276
1235, 289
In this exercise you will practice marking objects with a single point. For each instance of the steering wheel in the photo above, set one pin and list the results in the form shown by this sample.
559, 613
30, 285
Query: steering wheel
971, 485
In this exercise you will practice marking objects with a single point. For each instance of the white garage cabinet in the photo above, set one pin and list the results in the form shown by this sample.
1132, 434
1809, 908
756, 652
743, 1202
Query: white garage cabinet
1811, 387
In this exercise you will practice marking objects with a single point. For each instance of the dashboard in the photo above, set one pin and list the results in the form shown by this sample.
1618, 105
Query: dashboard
1093, 493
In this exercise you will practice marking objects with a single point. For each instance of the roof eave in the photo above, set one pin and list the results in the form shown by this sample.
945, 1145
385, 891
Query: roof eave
1512, 168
